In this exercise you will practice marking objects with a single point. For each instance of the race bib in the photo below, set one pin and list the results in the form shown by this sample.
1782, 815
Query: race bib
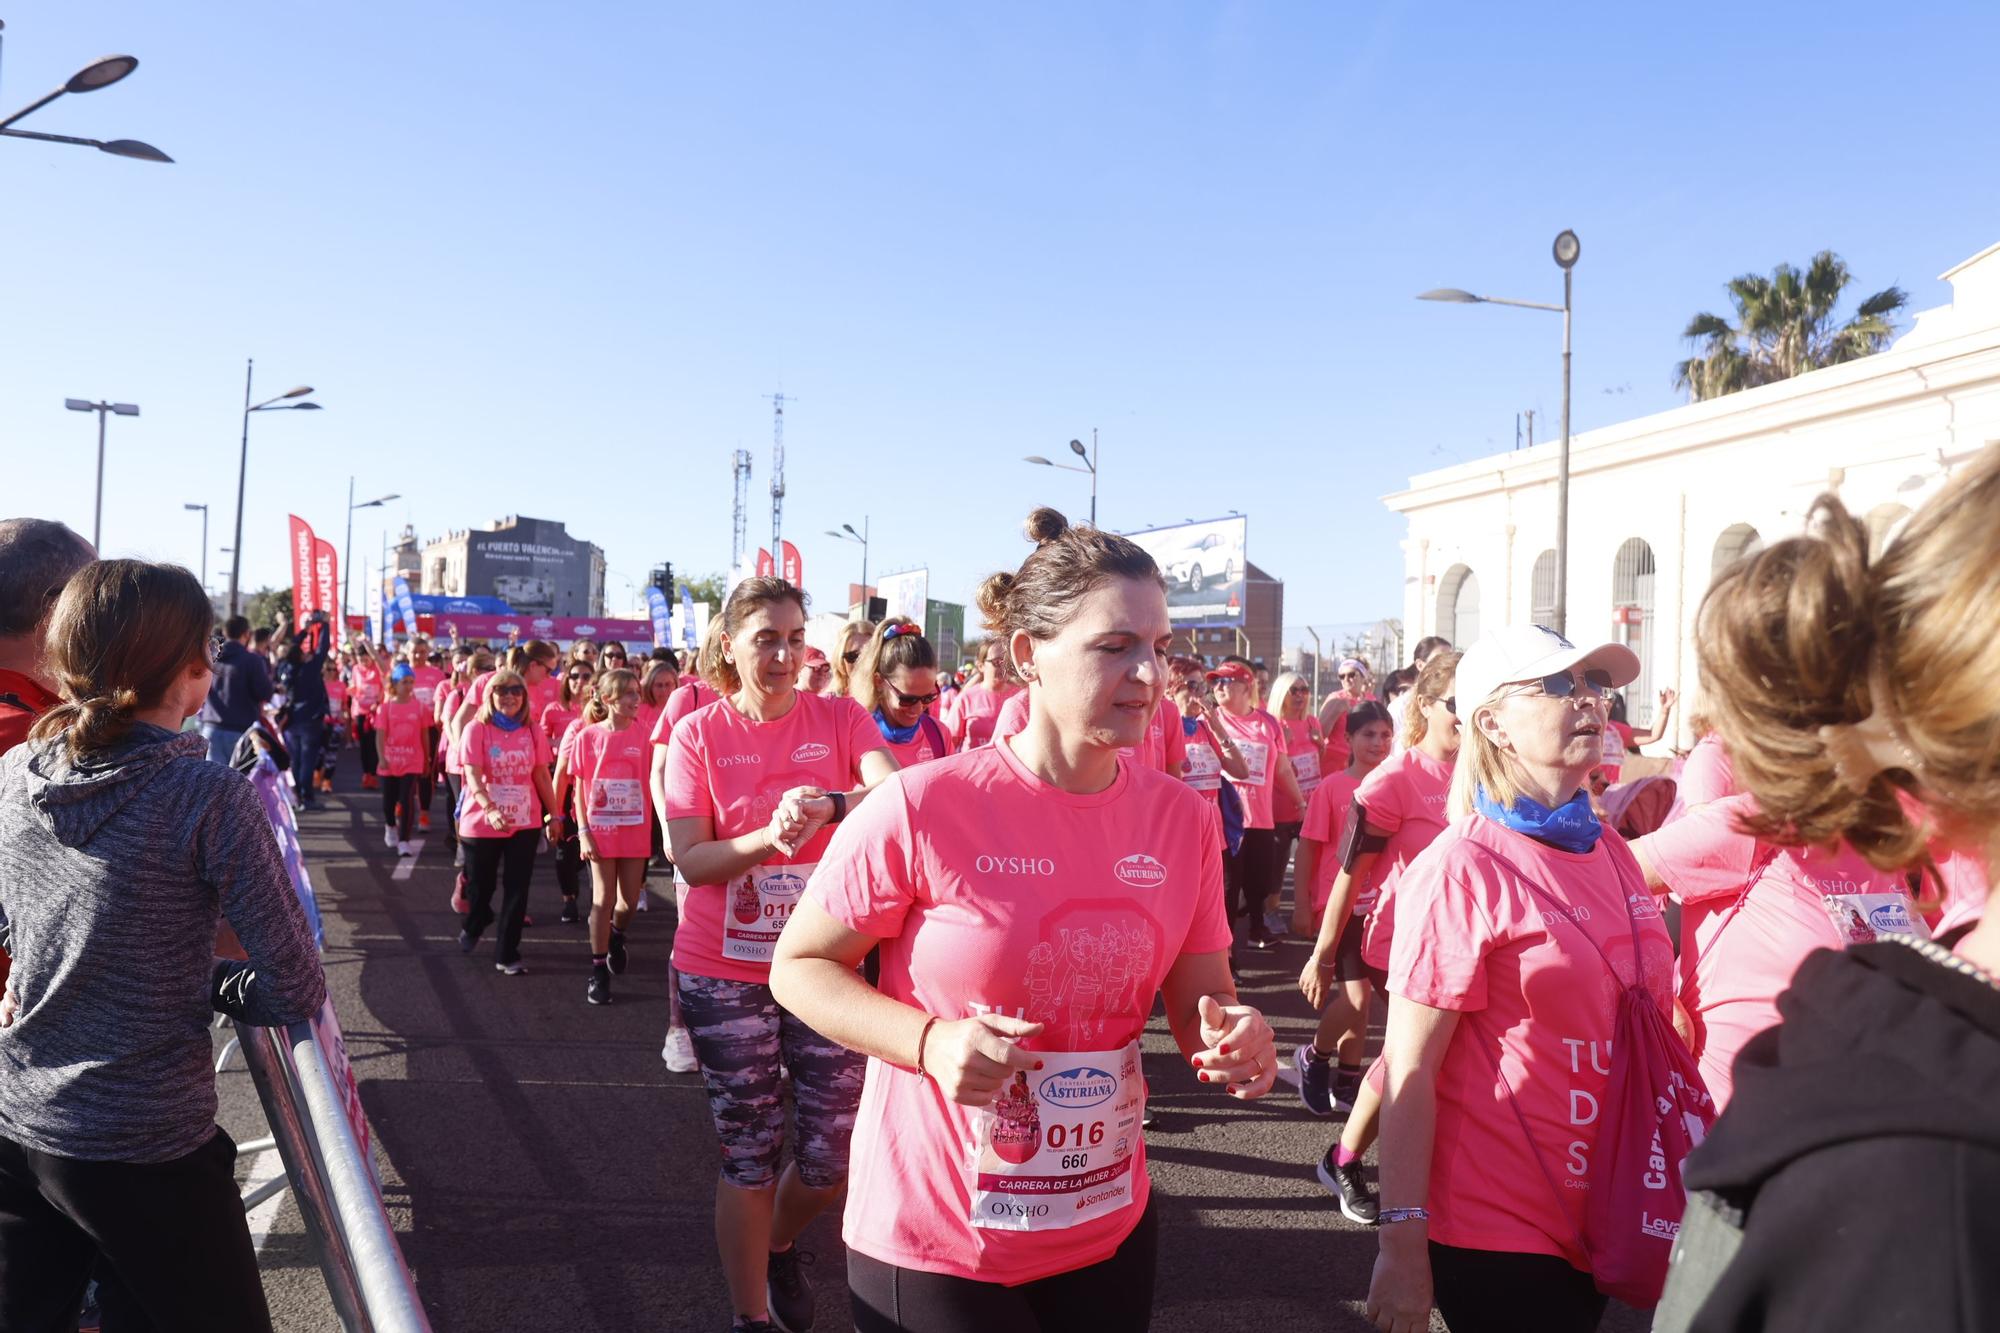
760, 903
1257, 757
1863, 918
1057, 1146
1305, 765
426, 694
617, 803
515, 800
1203, 770
1614, 748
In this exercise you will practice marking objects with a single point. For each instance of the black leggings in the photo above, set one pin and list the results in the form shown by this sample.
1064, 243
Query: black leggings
399, 802
1284, 836
1495, 1291
1114, 1295
509, 859
1251, 875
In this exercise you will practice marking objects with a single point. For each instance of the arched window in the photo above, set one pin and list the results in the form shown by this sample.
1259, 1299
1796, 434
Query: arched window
1632, 602
1458, 607
1884, 521
1542, 590
1737, 541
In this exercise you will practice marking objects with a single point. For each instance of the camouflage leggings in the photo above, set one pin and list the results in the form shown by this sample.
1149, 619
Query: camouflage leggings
740, 1035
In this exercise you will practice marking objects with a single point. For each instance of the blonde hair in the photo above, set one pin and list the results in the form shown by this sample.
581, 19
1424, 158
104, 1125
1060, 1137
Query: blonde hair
503, 676
605, 689
1433, 683
749, 597
1282, 687
655, 668
844, 671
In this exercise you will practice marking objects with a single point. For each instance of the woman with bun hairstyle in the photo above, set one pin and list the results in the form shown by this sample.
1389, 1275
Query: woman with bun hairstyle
1032, 899
121, 849
607, 757
1529, 970
755, 784
896, 681
1864, 1125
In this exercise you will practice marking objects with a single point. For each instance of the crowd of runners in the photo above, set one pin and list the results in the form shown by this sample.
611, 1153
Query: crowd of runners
924, 911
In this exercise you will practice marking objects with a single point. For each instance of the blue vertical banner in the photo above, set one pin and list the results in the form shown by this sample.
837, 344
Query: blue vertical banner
687, 621
405, 607
662, 616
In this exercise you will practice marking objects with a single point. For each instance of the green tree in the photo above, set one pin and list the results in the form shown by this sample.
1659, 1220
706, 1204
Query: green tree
264, 606
709, 588
1785, 326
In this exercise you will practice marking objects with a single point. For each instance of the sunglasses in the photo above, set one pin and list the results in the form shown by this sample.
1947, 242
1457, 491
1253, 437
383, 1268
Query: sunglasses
502, 691
913, 700
852, 656
580, 673
1298, 689
1563, 684
1350, 675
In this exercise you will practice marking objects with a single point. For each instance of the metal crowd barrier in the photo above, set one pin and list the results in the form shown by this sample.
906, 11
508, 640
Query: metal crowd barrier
333, 1179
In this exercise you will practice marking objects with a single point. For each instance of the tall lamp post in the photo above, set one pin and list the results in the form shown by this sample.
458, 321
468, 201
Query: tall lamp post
347, 549
278, 404
204, 542
1089, 465
848, 534
103, 410
1566, 249
99, 73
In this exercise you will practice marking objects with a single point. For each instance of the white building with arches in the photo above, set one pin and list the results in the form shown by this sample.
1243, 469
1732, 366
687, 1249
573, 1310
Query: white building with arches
1659, 504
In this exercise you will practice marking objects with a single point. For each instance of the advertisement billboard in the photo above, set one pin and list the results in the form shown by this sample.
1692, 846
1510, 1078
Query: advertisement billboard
1204, 564
906, 594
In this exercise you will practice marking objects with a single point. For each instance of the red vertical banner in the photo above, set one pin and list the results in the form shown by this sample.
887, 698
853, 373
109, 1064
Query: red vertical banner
764, 566
795, 568
304, 587
326, 580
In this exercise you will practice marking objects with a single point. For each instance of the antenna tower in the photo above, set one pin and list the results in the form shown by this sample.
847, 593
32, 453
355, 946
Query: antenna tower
740, 462
778, 480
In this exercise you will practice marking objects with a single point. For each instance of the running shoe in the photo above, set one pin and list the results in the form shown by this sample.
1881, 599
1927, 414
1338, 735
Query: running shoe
1349, 1184
368, 781
786, 1290
404, 849
678, 1051
423, 819
1346, 1087
569, 916
388, 835
467, 941
1277, 923
617, 956
1315, 1079
513, 969
1260, 938
459, 904
599, 989
742, 1325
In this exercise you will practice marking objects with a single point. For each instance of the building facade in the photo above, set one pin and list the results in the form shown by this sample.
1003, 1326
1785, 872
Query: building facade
532, 564
1659, 504
1261, 637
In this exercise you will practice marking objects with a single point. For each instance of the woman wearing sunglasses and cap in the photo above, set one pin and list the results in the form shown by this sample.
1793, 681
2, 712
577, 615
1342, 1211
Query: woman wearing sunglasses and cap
896, 681
1252, 873
1529, 966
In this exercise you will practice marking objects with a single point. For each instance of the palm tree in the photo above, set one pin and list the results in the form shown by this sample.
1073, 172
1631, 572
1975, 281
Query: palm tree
1784, 327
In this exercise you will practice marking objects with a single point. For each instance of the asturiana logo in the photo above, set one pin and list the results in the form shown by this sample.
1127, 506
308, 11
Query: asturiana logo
1140, 871
810, 753
1890, 917
1082, 1086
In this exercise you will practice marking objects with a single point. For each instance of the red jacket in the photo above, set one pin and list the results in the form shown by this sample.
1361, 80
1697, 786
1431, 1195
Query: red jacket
21, 702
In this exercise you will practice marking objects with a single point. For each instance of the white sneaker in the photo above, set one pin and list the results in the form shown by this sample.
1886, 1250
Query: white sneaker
404, 849
388, 835
679, 1052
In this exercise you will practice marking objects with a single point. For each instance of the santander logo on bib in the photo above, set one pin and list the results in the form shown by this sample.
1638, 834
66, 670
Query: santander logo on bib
811, 753
1140, 871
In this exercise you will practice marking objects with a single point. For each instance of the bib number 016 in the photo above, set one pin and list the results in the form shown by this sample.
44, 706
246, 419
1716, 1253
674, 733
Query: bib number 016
1089, 1135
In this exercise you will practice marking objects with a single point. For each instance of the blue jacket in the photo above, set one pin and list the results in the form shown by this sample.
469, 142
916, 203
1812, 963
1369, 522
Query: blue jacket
242, 683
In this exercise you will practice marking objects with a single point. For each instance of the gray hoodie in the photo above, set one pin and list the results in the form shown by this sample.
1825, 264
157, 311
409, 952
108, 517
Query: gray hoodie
112, 875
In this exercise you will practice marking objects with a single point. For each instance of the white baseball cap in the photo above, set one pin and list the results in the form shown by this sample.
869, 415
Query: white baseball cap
1530, 652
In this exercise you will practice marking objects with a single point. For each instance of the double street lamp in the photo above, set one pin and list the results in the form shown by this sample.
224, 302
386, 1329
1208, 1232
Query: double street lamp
103, 410
347, 548
1566, 249
99, 73
848, 534
1089, 458
278, 404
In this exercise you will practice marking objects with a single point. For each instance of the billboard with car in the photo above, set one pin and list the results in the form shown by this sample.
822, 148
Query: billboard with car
1204, 565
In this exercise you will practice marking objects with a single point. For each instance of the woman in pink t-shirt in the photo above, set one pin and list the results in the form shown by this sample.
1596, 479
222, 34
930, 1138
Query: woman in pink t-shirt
1253, 874
608, 757
976, 710
507, 807
367, 681
754, 785
402, 730
895, 682
1206, 753
1031, 900
1522, 933
573, 691
1305, 746
1355, 690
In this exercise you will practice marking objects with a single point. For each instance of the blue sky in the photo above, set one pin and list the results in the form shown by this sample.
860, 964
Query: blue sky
549, 259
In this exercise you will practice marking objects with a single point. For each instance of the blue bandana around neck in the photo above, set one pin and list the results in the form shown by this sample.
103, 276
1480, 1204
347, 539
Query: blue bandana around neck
505, 723
1190, 725
1570, 827
896, 735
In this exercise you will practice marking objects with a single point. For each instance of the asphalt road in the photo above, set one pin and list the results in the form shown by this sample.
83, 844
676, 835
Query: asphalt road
544, 1171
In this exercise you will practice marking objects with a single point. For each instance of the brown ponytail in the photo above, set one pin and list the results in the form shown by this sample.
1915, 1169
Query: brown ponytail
1040, 597
122, 633
887, 652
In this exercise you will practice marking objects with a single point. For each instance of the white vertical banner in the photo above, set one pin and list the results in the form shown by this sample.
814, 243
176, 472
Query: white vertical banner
678, 620
906, 594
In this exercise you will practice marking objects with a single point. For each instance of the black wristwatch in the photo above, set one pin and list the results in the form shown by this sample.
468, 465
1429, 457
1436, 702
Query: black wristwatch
839, 799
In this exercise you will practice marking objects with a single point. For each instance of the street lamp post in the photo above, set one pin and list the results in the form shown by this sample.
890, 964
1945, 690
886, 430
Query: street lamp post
1566, 250
204, 542
848, 534
347, 549
99, 73
278, 404
103, 410
1089, 465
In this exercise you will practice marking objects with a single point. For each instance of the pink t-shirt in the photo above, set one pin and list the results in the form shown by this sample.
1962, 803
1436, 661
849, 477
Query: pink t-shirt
1326, 823
1739, 950
508, 761
978, 710
995, 892
1164, 747
447, 752
648, 717
691, 696
336, 698
1260, 742
1302, 746
555, 719
366, 681
1406, 798
922, 747
1472, 938
1201, 761
614, 799
1013, 718
1707, 775
428, 680
400, 730
733, 771
1338, 754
